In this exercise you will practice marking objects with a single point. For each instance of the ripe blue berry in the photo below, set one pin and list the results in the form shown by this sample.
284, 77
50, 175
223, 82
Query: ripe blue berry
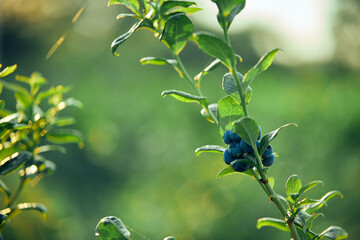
267, 162
227, 157
235, 149
268, 151
246, 147
240, 167
235, 137
227, 139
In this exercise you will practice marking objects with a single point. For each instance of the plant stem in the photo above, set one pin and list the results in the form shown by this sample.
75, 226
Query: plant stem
192, 83
271, 193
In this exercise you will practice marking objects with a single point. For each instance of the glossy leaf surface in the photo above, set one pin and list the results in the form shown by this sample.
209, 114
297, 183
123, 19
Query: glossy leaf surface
111, 228
209, 148
229, 111
247, 129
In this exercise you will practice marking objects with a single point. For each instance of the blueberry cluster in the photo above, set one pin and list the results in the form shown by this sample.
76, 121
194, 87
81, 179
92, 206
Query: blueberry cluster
239, 149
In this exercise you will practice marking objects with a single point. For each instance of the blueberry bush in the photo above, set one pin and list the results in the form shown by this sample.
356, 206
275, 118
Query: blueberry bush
248, 152
27, 133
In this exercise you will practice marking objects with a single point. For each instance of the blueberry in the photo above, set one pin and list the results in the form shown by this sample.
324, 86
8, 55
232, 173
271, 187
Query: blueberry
268, 151
227, 139
246, 147
259, 133
235, 149
227, 157
240, 167
235, 137
267, 162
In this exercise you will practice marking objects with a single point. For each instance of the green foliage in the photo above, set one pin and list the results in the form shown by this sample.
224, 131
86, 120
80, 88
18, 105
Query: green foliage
23, 137
253, 155
110, 228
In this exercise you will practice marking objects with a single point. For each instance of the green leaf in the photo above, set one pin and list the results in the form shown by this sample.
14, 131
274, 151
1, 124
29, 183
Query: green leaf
65, 121
270, 136
51, 92
271, 181
229, 111
13, 162
209, 148
170, 238
162, 61
229, 86
2, 104
229, 170
72, 102
22, 95
170, 5
309, 186
133, 5
228, 9
212, 66
334, 232
263, 64
217, 48
143, 23
184, 97
178, 29
12, 212
311, 208
272, 222
247, 129
48, 148
61, 136
8, 70
309, 221
212, 108
36, 79
111, 228
293, 186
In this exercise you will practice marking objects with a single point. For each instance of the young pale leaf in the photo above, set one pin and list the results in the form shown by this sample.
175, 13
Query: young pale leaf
334, 232
309, 186
133, 5
247, 129
229, 111
263, 64
111, 228
143, 23
184, 97
209, 148
61, 136
212, 108
229, 86
272, 222
65, 121
169, 5
311, 208
270, 136
8, 70
177, 31
217, 48
293, 185
13, 162
51, 92
213, 65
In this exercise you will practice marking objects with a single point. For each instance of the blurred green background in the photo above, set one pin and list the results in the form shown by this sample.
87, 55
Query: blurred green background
138, 162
